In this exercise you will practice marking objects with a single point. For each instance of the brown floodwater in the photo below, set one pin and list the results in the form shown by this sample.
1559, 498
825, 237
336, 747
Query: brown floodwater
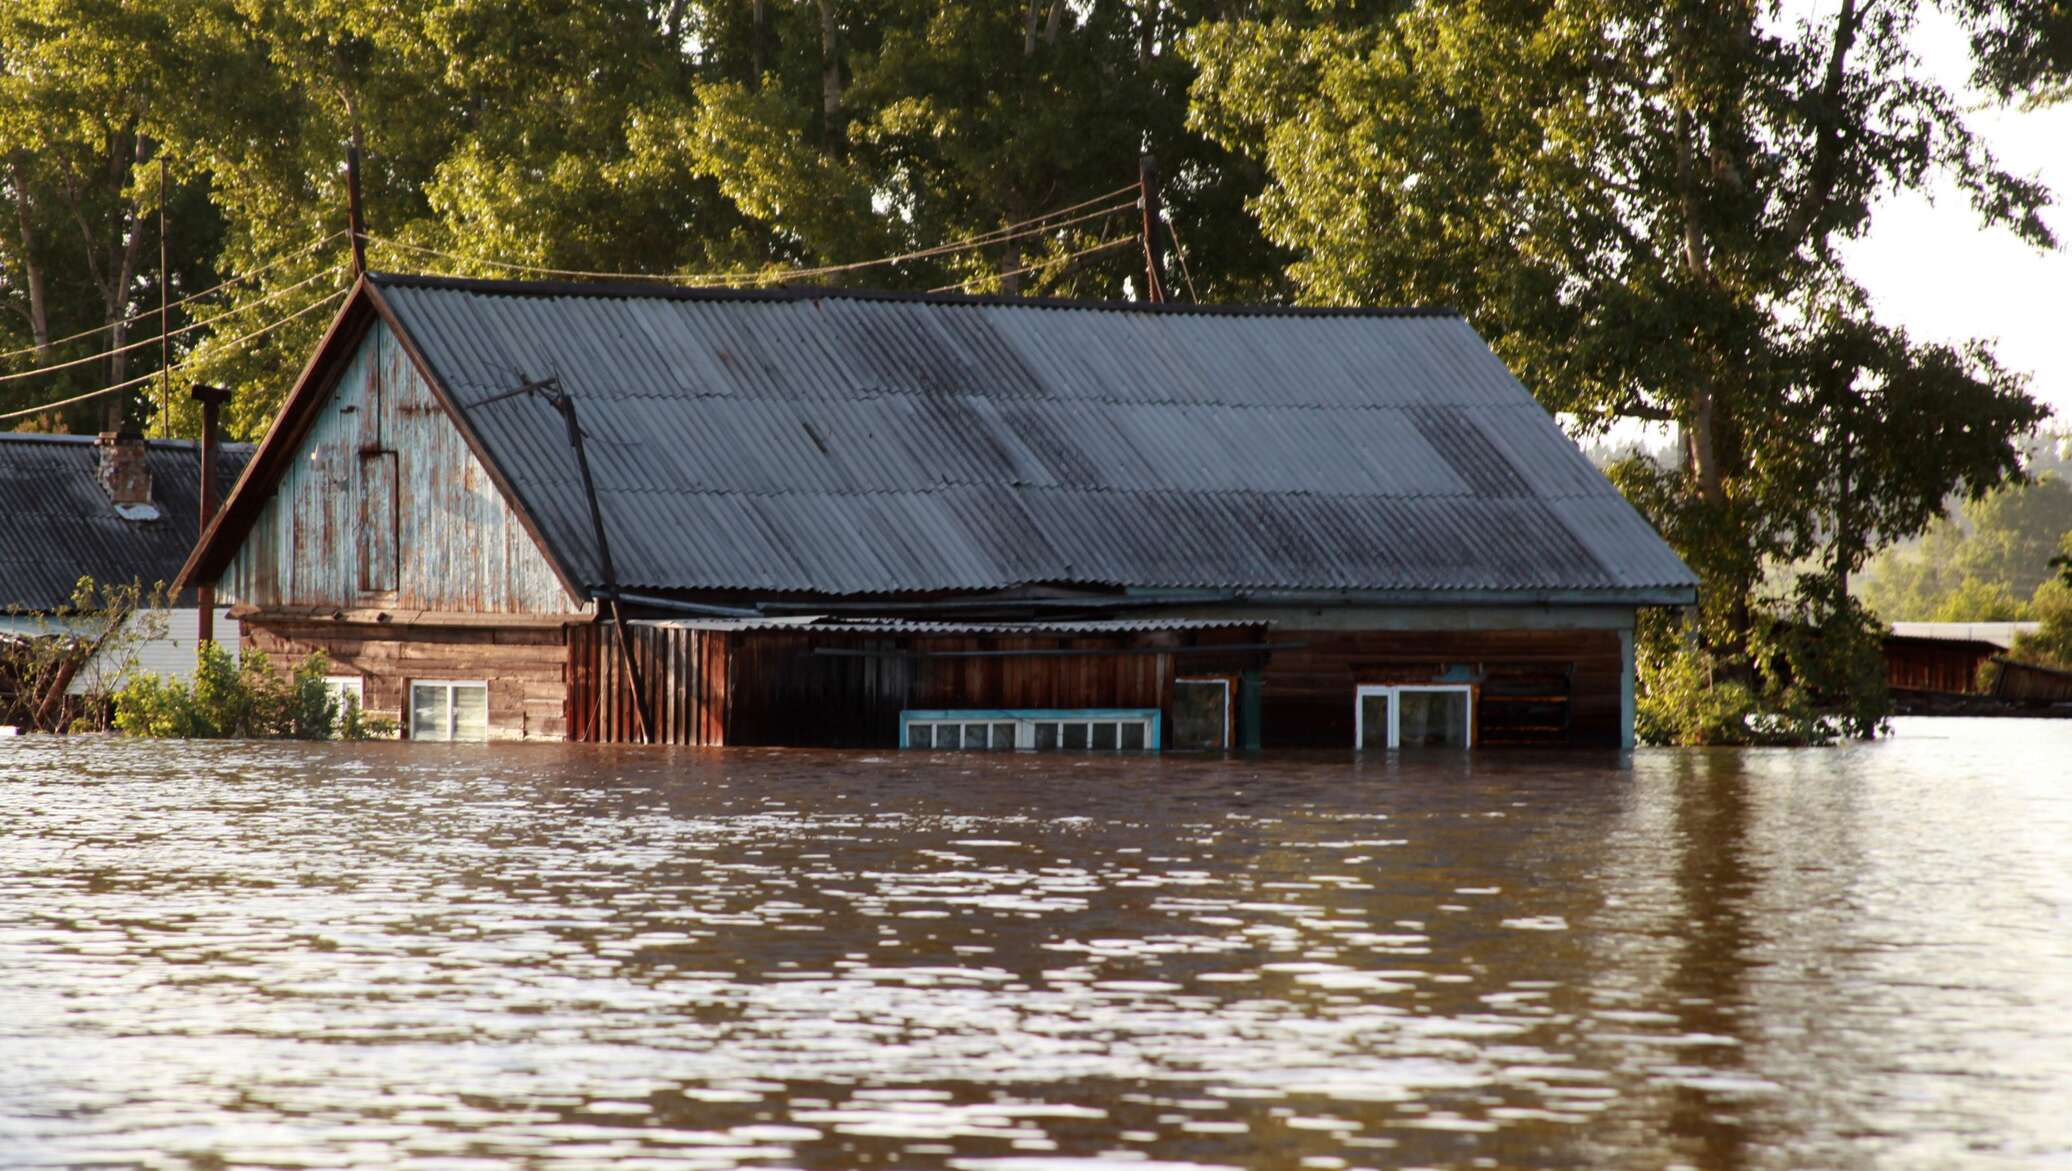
231, 955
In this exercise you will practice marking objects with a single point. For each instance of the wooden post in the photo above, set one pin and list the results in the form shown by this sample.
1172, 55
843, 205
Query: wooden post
1154, 242
211, 399
355, 217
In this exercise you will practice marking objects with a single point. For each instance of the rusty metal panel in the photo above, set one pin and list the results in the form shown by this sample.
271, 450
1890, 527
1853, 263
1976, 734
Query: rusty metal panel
455, 543
843, 443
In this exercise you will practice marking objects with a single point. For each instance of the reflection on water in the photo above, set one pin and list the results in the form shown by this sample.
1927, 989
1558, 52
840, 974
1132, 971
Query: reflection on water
410, 955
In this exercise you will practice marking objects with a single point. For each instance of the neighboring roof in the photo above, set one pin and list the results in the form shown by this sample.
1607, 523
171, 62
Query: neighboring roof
1999, 634
57, 523
835, 442
820, 624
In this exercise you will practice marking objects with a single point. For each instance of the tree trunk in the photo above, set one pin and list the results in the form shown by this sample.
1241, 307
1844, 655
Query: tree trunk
755, 45
127, 245
32, 267
830, 77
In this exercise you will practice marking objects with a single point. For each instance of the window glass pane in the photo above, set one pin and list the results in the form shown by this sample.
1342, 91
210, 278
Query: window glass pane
1104, 736
949, 736
1074, 735
1200, 713
471, 713
1133, 736
1003, 736
1374, 720
919, 735
428, 711
1046, 737
1433, 719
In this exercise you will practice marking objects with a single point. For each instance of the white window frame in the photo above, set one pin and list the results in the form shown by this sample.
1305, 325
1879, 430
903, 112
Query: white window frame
341, 686
1222, 681
452, 709
1025, 720
1392, 690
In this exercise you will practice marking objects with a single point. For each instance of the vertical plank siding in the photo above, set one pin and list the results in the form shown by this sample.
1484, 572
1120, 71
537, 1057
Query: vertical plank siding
458, 545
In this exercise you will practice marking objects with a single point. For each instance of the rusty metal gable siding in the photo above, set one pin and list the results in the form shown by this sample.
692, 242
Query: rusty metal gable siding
849, 444
460, 546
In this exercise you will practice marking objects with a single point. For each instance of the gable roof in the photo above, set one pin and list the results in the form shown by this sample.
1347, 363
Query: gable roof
837, 442
59, 524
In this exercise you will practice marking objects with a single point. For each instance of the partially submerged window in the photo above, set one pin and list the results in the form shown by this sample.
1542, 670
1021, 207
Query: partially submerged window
343, 687
1414, 715
1035, 730
449, 710
1201, 713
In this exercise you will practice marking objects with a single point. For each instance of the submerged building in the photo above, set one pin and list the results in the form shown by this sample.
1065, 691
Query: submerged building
117, 508
835, 517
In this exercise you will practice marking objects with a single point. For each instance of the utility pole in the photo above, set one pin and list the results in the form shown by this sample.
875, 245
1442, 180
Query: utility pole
165, 369
355, 217
211, 399
1154, 219
558, 397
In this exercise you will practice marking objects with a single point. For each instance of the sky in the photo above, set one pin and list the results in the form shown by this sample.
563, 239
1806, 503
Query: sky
1932, 269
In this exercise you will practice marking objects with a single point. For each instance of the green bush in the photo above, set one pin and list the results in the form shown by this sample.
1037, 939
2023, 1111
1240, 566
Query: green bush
246, 699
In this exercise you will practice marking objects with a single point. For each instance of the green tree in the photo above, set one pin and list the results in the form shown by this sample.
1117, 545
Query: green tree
1987, 559
1638, 205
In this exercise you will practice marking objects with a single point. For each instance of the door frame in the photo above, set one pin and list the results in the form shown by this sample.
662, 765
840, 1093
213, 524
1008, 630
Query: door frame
1395, 728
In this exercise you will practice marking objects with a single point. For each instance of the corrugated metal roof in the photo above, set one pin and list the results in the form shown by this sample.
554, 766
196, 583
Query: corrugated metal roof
1999, 634
846, 443
57, 524
823, 624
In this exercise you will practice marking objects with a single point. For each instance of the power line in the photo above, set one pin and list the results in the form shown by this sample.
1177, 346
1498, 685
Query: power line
1047, 222
283, 291
143, 378
241, 278
1101, 247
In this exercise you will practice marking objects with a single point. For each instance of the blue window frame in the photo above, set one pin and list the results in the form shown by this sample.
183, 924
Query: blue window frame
1116, 729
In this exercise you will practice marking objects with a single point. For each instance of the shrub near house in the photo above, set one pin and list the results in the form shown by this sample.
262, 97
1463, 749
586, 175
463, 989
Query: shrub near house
246, 698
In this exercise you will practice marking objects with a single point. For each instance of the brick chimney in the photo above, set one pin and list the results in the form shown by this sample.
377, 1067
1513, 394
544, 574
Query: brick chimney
125, 472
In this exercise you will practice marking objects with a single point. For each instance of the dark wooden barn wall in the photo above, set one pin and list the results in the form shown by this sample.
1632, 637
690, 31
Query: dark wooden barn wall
1935, 665
1306, 695
525, 667
771, 688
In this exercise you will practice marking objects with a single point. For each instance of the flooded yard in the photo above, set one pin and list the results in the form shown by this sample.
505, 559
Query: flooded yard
396, 955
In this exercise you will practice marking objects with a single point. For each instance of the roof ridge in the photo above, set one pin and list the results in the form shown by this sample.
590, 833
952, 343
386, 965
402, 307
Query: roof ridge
665, 292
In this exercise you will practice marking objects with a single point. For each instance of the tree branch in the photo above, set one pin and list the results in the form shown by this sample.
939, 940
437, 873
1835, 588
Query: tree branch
1827, 142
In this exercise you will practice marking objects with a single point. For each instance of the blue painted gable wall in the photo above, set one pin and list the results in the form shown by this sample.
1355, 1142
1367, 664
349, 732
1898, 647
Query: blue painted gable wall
460, 547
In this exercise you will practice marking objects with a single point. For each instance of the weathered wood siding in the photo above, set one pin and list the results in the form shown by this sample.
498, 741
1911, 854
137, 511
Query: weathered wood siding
1307, 694
382, 453
526, 668
1923, 664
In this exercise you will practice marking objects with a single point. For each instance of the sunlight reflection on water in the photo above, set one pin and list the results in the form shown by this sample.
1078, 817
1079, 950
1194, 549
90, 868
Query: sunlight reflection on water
412, 955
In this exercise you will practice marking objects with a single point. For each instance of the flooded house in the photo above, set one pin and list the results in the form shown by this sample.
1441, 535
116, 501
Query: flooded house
121, 510
833, 517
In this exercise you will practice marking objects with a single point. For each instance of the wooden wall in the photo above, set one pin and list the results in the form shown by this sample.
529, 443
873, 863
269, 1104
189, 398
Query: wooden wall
773, 688
385, 506
1945, 665
525, 667
1306, 697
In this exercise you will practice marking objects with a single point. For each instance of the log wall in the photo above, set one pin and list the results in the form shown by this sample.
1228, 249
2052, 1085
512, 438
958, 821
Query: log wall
526, 667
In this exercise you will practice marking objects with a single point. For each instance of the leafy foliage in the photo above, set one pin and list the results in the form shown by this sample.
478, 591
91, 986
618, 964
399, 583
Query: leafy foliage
60, 669
247, 698
1981, 565
1639, 205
